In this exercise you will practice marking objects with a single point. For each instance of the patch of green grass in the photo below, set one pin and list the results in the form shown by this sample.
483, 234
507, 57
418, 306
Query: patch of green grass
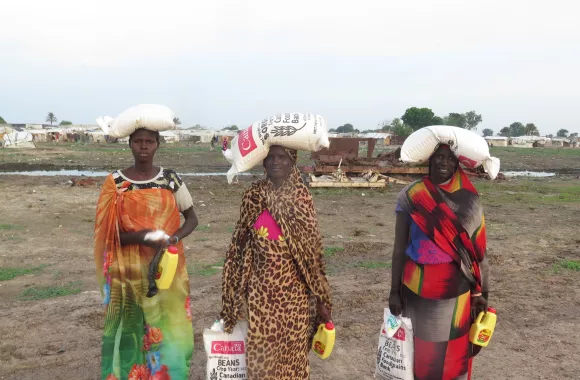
373, 265
567, 264
368, 192
203, 227
534, 152
10, 227
34, 294
331, 251
185, 149
10, 273
204, 269
207, 271
58, 275
202, 239
530, 191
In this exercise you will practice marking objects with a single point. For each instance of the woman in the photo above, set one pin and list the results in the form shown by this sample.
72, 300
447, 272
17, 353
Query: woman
144, 338
274, 268
439, 272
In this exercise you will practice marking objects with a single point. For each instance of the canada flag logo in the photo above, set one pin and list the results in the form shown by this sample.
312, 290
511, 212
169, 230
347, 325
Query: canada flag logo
228, 347
400, 334
246, 142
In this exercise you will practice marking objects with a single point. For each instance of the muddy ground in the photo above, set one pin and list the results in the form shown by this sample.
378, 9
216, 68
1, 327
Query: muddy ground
46, 232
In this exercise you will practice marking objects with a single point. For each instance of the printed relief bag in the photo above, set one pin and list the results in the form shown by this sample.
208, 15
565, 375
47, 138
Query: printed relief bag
226, 353
395, 355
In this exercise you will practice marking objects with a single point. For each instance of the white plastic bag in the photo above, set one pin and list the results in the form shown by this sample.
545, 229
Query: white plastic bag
226, 353
154, 117
291, 130
469, 148
395, 355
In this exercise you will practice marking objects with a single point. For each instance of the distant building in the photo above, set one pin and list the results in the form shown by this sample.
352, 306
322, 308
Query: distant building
381, 137
496, 140
530, 141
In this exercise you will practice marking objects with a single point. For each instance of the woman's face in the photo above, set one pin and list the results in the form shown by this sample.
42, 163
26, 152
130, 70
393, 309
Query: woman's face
443, 164
278, 163
144, 145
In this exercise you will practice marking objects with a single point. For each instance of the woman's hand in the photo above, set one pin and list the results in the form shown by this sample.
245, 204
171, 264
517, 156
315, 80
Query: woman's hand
395, 303
324, 312
158, 243
478, 304
475, 349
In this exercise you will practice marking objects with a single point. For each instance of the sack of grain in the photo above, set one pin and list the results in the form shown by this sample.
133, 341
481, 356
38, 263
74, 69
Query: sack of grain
226, 353
291, 130
154, 117
470, 148
395, 356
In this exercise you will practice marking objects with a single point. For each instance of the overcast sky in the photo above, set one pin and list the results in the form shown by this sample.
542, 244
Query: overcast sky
235, 62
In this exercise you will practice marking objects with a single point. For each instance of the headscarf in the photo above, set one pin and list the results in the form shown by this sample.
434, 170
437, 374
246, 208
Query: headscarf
452, 216
292, 207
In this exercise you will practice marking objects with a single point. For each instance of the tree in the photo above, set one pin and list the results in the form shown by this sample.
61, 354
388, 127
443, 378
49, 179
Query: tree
487, 132
550, 136
505, 131
456, 120
176, 121
562, 133
472, 119
332, 130
402, 130
437, 120
65, 122
573, 134
347, 128
2, 121
51, 118
231, 128
531, 130
398, 128
517, 129
417, 118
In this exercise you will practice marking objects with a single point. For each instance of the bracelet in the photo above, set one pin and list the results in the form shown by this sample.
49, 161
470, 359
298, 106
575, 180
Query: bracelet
176, 239
476, 295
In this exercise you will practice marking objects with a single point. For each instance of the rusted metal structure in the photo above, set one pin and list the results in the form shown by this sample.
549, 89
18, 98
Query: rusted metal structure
343, 153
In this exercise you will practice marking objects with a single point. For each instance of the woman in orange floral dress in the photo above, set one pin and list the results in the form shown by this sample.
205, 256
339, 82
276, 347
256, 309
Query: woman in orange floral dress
143, 338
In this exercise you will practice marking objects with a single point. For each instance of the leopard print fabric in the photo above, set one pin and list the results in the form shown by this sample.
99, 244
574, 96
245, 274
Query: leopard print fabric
276, 284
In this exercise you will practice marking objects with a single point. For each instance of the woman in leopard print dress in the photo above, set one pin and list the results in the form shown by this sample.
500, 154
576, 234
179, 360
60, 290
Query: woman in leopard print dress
274, 274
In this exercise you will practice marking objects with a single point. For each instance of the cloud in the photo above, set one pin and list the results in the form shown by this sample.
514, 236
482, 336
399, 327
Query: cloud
118, 32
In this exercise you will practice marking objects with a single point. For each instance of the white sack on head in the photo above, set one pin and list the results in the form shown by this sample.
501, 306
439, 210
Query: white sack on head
291, 130
469, 148
154, 117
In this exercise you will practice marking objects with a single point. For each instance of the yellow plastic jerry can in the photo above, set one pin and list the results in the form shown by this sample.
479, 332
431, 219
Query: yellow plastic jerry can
482, 329
167, 268
323, 341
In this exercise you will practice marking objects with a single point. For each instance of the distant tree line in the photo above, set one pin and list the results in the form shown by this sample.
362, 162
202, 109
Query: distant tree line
346, 128
416, 118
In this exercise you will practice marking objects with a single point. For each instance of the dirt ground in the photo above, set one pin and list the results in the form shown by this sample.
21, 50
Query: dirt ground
46, 228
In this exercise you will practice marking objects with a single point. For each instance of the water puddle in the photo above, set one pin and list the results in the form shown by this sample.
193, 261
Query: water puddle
529, 174
88, 173
55, 173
